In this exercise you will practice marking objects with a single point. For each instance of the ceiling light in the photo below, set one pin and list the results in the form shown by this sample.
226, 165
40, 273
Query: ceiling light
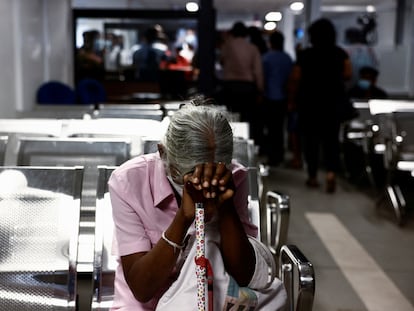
370, 8
191, 6
273, 16
269, 26
297, 6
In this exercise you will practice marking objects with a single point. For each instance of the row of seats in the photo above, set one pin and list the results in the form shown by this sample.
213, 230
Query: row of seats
384, 133
101, 110
84, 157
152, 111
137, 131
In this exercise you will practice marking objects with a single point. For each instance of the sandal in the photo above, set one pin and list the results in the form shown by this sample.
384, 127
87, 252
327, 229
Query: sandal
312, 183
330, 183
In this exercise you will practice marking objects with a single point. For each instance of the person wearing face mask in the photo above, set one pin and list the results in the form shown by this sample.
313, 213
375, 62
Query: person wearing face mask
89, 61
154, 212
365, 87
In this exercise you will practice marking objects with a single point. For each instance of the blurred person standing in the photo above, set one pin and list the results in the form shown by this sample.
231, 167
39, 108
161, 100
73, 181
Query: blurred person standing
256, 37
242, 71
147, 58
360, 53
366, 86
317, 87
277, 67
89, 57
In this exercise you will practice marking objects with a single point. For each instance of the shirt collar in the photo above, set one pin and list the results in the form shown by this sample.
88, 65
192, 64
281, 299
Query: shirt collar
160, 184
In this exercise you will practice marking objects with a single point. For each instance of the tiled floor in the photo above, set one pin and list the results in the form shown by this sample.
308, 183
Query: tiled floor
363, 260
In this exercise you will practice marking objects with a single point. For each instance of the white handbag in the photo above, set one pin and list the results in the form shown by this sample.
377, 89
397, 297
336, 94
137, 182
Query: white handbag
266, 293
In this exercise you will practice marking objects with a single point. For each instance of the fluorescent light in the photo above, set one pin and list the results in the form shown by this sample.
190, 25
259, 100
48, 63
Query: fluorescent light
273, 16
370, 8
405, 165
191, 6
379, 148
269, 26
297, 6
344, 8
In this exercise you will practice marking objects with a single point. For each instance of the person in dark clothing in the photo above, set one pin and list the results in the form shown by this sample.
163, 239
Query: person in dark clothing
318, 89
148, 57
277, 66
256, 37
366, 87
89, 59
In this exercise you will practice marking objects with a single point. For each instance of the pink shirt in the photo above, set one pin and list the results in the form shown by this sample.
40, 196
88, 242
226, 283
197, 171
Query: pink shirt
143, 206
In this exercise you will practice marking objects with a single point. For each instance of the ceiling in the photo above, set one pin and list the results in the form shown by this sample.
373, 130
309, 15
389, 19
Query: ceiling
249, 11
266, 5
233, 7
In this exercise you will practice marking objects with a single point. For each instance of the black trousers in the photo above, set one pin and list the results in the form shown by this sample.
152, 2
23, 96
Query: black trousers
240, 96
320, 142
270, 129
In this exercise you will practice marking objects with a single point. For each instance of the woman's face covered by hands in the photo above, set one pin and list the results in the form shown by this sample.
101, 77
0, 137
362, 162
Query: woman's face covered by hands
209, 183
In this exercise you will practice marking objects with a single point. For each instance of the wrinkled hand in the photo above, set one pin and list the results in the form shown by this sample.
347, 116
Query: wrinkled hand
210, 184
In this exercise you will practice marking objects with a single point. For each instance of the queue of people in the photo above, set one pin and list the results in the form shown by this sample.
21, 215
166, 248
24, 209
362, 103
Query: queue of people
296, 104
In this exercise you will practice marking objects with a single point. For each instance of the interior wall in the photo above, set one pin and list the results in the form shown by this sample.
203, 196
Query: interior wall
7, 60
46, 46
36, 47
59, 41
30, 21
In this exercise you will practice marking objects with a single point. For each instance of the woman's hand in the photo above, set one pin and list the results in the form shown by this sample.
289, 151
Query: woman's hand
210, 184
214, 179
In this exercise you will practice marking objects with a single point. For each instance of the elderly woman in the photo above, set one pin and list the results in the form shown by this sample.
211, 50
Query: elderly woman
154, 212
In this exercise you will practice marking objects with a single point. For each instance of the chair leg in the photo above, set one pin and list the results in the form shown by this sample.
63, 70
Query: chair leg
398, 202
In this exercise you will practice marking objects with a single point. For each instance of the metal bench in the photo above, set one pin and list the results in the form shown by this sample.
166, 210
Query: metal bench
33, 127
104, 262
359, 138
277, 220
399, 161
85, 152
289, 256
3, 145
59, 112
298, 276
397, 133
139, 111
39, 223
134, 130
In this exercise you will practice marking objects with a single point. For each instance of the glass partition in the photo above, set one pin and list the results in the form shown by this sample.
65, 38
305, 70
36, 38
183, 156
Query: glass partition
141, 48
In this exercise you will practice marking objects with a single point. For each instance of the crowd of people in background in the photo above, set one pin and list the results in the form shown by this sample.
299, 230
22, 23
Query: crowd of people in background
294, 102
161, 61
136, 55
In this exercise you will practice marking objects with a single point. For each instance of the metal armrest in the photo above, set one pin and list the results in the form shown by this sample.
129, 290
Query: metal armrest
254, 214
104, 261
277, 219
293, 262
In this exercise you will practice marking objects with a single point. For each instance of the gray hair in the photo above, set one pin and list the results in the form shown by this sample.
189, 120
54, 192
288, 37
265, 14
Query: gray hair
197, 133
